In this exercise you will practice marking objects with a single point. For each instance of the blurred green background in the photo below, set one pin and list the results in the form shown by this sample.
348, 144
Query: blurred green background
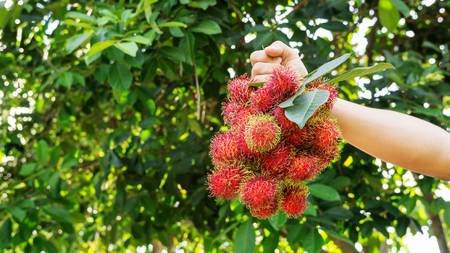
107, 109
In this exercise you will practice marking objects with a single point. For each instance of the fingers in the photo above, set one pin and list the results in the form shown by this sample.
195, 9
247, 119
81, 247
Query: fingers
261, 56
279, 49
263, 68
260, 78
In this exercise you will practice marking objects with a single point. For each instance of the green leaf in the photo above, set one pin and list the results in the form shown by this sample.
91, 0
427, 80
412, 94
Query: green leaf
447, 213
65, 79
139, 39
277, 221
244, 240
388, 14
41, 152
334, 26
290, 101
325, 68
76, 41
129, 48
187, 44
338, 213
402, 7
313, 241
311, 210
270, 243
27, 169
324, 192
80, 16
202, 4
58, 213
305, 105
207, 27
295, 233
173, 24
340, 182
99, 46
120, 77
363, 71
18, 213
5, 233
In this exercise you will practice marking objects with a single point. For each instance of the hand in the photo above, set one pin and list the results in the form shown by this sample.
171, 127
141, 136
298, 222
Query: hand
273, 56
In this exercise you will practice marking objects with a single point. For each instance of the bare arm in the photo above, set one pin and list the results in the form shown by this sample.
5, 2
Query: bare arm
396, 138
391, 136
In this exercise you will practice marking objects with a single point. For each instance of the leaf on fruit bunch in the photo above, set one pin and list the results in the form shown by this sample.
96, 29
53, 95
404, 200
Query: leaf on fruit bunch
363, 71
256, 85
315, 74
305, 105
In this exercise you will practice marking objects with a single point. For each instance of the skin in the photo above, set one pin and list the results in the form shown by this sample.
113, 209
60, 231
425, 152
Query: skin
393, 137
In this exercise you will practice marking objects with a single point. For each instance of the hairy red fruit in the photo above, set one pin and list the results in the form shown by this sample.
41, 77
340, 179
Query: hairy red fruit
304, 167
294, 201
283, 82
239, 89
263, 99
298, 136
258, 192
225, 148
229, 111
326, 135
285, 124
333, 94
224, 182
265, 212
276, 162
262, 133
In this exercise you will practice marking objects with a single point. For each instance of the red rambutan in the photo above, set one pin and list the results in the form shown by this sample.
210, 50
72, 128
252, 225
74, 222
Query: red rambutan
294, 201
298, 136
303, 167
276, 162
224, 182
225, 148
285, 124
264, 212
239, 89
326, 135
259, 192
263, 99
262, 133
283, 81
333, 94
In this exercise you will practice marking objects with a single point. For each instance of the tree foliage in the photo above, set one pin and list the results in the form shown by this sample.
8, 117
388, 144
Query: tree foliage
108, 107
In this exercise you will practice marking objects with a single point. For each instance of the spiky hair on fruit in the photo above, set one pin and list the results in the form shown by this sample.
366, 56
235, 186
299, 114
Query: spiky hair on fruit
264, 159
262, 133
258, 192
239, 90
294, 200
225, 182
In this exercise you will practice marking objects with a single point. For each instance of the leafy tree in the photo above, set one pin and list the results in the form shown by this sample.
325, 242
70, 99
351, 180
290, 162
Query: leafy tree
107, 108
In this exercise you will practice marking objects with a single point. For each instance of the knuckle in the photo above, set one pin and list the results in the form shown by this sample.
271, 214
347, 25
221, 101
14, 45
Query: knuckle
258, 67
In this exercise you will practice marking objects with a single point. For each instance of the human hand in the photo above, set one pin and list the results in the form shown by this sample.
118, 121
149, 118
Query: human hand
277, 54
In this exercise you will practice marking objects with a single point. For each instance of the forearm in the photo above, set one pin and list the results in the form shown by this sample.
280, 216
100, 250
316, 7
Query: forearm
396, 138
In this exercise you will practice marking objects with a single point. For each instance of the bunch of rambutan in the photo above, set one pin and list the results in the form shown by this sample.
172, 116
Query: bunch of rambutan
264, 158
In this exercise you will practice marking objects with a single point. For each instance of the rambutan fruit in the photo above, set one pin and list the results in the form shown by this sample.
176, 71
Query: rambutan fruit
239, 89
294, 201
326, 135
299, 137
333, 94
262, 133
276, 163
265, 212
283, 82
285, 124
303, 167
258, 192
235, 114
225, 148
263, 100
225, 182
